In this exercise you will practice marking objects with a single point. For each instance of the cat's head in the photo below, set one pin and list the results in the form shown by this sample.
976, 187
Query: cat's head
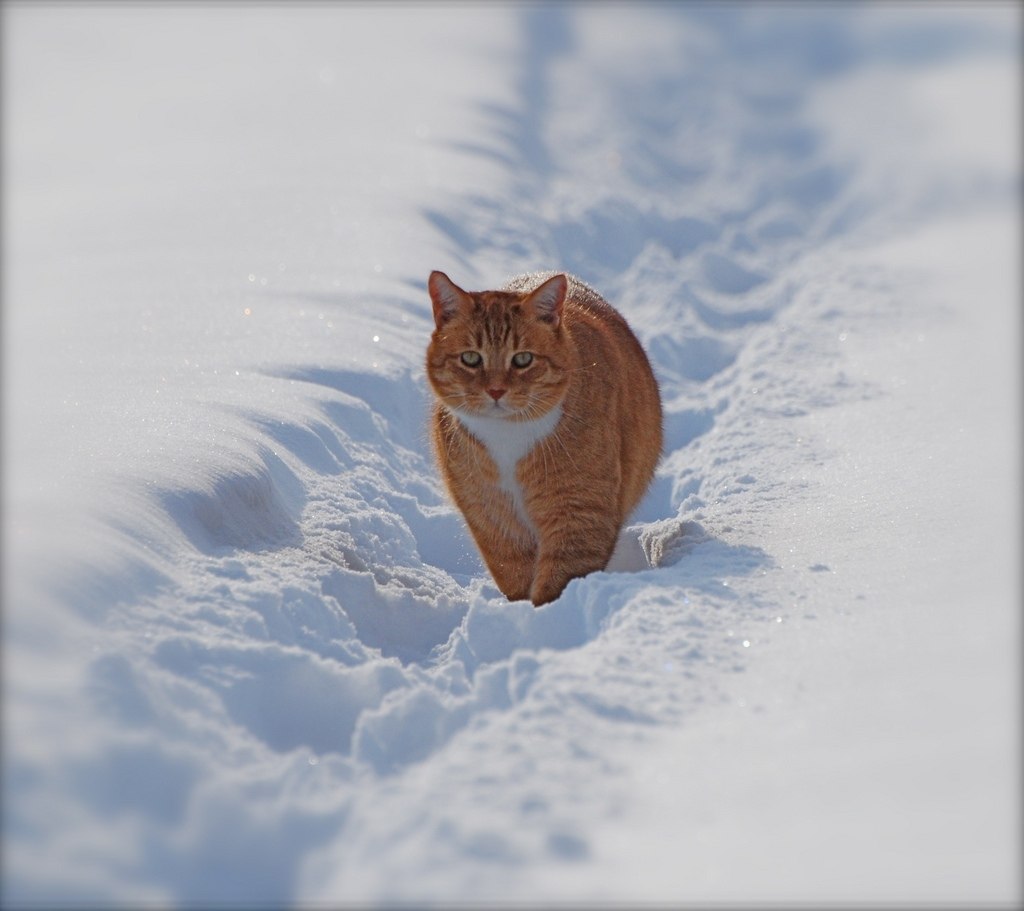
499, 353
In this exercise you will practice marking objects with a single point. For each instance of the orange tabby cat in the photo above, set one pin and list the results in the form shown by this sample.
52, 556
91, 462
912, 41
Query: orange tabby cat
547, 425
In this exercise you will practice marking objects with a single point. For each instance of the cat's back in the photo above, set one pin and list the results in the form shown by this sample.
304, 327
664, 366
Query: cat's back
593, 322
580, 297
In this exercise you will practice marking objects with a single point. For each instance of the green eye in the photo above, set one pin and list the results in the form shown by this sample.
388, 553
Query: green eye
471, 358
522, 359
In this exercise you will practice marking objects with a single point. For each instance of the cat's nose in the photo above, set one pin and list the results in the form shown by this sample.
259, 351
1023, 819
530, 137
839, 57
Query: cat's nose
496, 393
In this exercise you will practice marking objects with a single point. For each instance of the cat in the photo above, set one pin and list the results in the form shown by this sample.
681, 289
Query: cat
547, 425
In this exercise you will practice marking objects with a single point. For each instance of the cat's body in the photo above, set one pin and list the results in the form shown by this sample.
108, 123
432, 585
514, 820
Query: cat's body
547, 425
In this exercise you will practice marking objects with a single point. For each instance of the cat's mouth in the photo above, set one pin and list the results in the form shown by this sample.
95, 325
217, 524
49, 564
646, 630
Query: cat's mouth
498, 409
490, 409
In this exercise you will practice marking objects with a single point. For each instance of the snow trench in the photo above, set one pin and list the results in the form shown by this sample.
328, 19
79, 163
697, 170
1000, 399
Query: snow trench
302, 647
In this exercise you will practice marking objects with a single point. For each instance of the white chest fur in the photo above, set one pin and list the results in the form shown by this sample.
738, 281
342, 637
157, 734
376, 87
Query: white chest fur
507, 442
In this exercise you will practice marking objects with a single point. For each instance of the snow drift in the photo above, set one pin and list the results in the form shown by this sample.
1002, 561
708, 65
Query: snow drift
250, 654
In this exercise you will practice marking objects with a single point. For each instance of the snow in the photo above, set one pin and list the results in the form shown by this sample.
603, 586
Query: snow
250, 654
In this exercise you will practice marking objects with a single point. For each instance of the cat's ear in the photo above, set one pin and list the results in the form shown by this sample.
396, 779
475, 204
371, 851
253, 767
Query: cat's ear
446, 296
548, 299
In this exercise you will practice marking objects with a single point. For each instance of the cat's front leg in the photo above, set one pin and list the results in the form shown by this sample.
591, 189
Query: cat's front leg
573, 549
507, 548
513, 572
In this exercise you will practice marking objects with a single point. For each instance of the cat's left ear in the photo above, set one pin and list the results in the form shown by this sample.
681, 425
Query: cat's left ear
548, 299
446, 296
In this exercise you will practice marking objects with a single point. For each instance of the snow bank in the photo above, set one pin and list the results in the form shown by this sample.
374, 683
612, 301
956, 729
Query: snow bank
250, 653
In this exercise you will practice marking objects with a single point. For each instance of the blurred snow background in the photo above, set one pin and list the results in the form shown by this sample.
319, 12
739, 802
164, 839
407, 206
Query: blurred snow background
250, 654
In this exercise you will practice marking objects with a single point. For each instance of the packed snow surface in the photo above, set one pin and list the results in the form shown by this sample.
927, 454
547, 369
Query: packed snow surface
250, 653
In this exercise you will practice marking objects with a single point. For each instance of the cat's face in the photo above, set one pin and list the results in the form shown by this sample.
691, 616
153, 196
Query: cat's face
498, 353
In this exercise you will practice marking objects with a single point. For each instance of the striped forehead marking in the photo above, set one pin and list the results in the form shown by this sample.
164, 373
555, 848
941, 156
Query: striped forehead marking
497, 314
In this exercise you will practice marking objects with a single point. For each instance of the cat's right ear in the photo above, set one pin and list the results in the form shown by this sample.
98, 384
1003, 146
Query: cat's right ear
446, 296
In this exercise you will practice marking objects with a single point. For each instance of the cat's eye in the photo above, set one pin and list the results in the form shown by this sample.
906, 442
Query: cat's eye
471, 358
522, 359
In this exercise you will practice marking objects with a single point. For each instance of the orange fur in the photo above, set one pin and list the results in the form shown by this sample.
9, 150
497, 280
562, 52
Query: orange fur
545, 455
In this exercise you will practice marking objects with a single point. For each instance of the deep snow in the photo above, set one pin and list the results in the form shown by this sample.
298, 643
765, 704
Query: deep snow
249, 651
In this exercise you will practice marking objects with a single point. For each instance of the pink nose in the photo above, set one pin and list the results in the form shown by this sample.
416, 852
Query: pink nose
496, 393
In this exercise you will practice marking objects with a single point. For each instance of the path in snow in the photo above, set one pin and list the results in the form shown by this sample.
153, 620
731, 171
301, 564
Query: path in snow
298, 642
